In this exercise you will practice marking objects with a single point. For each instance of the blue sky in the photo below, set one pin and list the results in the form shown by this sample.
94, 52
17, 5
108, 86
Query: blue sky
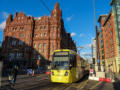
77, 15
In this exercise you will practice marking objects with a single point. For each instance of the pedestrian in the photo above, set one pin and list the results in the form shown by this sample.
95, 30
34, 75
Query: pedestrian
14, 74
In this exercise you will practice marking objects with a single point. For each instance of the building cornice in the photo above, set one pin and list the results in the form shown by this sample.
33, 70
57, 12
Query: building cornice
99, 19
107, 17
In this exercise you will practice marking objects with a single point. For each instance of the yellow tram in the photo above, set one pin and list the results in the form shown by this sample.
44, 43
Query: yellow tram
66, 66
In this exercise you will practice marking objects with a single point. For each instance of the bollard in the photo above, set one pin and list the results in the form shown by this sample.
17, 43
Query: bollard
1, 65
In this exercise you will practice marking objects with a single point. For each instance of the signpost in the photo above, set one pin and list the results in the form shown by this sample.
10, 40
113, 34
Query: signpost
1, 65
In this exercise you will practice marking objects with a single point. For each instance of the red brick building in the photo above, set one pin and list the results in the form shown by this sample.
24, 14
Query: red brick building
107, 41
27, 38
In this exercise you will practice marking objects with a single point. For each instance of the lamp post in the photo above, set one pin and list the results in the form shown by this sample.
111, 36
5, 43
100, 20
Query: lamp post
96, 32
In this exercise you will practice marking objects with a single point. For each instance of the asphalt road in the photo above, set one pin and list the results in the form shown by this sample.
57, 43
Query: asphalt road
42, 82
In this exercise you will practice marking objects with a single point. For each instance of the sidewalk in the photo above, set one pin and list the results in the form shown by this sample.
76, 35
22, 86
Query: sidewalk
19, 76
4, 79
117, 78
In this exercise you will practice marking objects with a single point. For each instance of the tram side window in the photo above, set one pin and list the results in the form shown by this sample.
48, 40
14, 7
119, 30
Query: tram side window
73, 60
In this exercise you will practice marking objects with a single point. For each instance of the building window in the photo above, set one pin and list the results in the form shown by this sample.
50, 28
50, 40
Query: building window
13, 42
40, 34
18, 18
14, 29
19, 55
39, 50
41, 27
22, 17
53, 35
35, 28
11, 56
54, 15
44, 27
21, 28
26, 48
29, 35
34, 52
45, 34
34, 45
21, 35
35, 35
13, 36
44, 47
20, 43
39, 47
54, 28
52, 47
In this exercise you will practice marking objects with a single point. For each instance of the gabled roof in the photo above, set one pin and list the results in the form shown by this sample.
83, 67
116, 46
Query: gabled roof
104, 15
108, 17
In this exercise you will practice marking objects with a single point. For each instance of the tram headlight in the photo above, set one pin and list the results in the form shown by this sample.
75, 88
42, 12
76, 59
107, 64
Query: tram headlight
52, 73
66, 73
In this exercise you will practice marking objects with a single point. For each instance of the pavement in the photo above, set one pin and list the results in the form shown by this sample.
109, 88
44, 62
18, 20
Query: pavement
42, 82
19, 76
117, 78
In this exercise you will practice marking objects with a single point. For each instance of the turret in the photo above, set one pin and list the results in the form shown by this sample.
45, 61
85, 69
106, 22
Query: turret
56, 11
9, 19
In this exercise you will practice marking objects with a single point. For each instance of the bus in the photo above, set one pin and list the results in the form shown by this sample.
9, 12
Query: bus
66, 66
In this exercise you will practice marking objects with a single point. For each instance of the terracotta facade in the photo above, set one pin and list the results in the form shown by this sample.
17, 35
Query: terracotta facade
29, 38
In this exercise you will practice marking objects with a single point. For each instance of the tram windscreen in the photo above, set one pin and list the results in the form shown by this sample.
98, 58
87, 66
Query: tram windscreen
60, 61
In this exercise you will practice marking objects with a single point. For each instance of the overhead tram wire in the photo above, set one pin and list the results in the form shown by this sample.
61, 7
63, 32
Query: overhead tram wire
45, 6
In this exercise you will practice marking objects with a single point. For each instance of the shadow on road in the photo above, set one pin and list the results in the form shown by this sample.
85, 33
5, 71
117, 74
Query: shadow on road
116, 85
7, 87
85, 77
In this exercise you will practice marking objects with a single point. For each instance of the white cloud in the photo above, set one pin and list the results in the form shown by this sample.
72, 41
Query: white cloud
81, 35
88, 46
86, 54
69, 18
2, 25
73, 34
5, 15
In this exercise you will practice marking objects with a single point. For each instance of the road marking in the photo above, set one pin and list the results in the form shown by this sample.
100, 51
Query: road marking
95, 85
82, 85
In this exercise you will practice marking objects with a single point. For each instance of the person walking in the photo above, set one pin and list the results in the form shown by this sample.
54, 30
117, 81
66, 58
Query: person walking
14, 74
